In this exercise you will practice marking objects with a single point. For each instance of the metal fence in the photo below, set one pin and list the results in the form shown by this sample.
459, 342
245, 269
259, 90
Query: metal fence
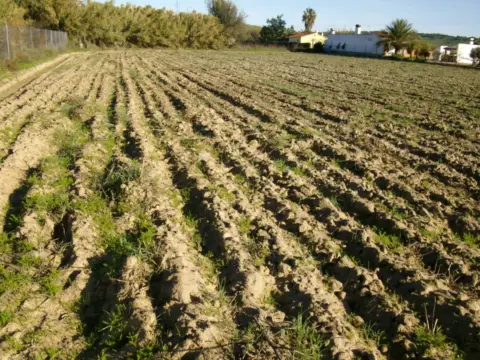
17, 41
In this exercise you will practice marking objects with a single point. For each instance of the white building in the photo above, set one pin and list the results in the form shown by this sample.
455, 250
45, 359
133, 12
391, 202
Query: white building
355, 43
463, 53
309, 39
459, 53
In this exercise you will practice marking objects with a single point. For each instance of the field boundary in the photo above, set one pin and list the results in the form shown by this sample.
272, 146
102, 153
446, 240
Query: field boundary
13, 84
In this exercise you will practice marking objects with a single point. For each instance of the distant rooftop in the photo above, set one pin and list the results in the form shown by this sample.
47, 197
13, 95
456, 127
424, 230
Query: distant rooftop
302, 34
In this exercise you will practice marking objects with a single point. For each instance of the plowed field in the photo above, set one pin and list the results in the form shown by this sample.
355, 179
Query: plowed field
217, 205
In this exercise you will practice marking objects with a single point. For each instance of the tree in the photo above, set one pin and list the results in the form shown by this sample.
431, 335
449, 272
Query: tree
423, 49
412, 47
308, 18
11, 13
232, 19
275, 30
398, 34
475, 55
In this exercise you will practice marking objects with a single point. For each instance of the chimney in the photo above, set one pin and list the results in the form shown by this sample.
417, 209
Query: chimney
471, 41
358, 29
332, 31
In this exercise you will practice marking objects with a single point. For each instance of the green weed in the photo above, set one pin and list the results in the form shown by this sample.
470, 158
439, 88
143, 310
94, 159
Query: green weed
299, 171
391, 241
306, 340
5, 317
336, 163
115, 326
11, 280
433, 342
369, 333
281, 165
244, 225
50, 283
471, 239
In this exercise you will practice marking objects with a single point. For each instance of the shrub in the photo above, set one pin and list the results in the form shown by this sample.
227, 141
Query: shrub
475, 55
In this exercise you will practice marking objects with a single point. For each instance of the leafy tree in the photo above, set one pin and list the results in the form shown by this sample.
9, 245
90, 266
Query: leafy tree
423, 49
232, 19
275, 30
11, 13
105, 25
308, 18
290, 31
398, 34
412, 47
475, 55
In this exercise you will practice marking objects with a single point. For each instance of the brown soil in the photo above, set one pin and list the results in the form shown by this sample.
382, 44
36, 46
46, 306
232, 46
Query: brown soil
161, 204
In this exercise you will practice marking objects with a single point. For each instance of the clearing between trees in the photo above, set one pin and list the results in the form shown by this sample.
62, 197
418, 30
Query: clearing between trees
214, 205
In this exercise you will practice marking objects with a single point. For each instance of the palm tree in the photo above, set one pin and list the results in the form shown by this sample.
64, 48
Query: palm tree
398, 34
309, 17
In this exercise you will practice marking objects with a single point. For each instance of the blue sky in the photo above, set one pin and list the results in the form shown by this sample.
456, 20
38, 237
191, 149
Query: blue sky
453, 17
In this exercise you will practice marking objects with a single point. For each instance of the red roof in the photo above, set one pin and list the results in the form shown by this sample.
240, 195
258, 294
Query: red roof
299, 35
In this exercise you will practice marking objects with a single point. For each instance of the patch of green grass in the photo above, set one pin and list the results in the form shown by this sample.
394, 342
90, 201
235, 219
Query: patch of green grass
97, 208
336, 163
244, 225
222, 192
33, 337
281, 165
202, 166
431, 235
398, 213
471, 239
11, 280
50, 283
191, 144
13, 343
434, 342
140, 241
218, 264
368, 333
240, 178
391, 241
281, 141
120, 172
71, 107
133, 72
5, 317
114, 327
299, 171
306, 341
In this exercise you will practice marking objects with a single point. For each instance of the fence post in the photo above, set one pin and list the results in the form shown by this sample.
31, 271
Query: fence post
31, 37
8, 42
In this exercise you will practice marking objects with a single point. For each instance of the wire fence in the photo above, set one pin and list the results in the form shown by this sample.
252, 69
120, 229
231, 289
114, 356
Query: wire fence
18, 41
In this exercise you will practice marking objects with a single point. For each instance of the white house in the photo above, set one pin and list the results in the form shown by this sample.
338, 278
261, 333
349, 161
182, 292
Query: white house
307, 38
355, 43
463, 53
459, 53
